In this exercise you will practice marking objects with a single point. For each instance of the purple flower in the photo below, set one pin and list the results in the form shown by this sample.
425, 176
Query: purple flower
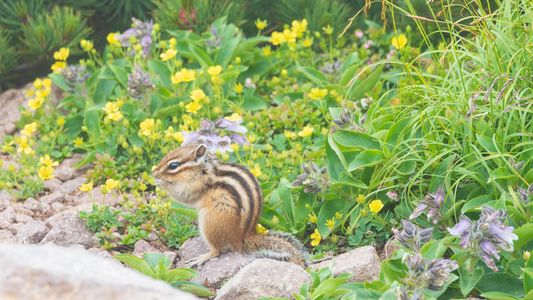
139, 82
249, 84
212, 135
412, 237
141, 31
432, 203
487, 236
233, 126
368, 44
392, 195
426, 273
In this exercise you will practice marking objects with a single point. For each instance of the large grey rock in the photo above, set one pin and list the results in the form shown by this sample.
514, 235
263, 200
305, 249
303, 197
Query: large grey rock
264, 278
32, 232
51, 272
7, 217
72, 185
66, 170
9, 111
52, 198
215, 271
361, 263
52, 185
5, 199
67, 228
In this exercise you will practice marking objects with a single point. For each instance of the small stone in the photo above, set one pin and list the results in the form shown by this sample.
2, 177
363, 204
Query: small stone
171, 255
5, 236
32, 204
67, 228
100, 252
52, 185
72, 185
361, 263
215, 271
57, 207
7, 217
264, 278
22, 218
142, 246
32, 232
52, 198
5, 199
66, 169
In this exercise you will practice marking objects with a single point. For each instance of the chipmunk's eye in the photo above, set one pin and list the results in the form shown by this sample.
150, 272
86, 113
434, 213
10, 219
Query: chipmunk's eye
173, 165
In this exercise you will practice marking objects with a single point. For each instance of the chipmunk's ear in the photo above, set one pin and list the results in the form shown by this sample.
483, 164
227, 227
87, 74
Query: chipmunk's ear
200, 151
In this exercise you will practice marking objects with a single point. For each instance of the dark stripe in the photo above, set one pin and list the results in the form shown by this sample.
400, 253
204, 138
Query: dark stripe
231, 190
257, 190
237, 176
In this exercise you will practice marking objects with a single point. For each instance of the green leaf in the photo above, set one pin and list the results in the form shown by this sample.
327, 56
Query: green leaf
60, 81
253, 103
161, 69
528, 276
486, 143
328, 286
120, 74
92, 121
501, 282
476, 203
312, 74
200, 55
366, 158
103, 90
226, 51
154, 259
498, 296
135, 263
195, 289
354, 139
525, 235
358, 90
347, 179
469, 279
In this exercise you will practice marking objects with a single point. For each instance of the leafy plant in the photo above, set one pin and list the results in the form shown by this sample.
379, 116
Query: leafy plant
158, 266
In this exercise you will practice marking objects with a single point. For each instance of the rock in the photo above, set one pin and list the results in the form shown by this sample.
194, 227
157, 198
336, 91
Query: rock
57, 207
66, 170
35, 206
9, 111
7, 217
5, 199
67, 228
72, 185
32, 232
171, 255
5, 236
52, 198
100, 252
215, 271
142, 246
361, 263
52, 272
264, 278
94, 196
22, 218
52, 185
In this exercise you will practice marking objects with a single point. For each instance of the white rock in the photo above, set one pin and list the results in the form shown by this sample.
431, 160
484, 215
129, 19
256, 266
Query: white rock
7, 217
32, 232
264, 278
142, 246
67, 170
361, 263
72, 185
6, 236
52, 198
52, 272
67, 228
52, 185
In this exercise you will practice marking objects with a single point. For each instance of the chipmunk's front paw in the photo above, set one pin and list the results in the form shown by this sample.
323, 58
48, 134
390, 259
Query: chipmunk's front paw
199, 260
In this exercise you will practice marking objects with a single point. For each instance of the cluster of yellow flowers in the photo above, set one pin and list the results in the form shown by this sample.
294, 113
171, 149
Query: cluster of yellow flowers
317, 93
46, 167
197, 98
112, 39
184, 75
86, 45
214, 71
150, 128
110, 184
171, 52
289, 35
112, 110
41, 90
399, 41
61, 59
24, 141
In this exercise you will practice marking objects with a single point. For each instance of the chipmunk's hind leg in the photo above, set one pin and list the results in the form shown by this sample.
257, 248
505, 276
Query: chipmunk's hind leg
202, 259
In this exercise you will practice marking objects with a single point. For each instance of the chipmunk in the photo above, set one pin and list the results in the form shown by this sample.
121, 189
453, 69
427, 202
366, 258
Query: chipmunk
228, 199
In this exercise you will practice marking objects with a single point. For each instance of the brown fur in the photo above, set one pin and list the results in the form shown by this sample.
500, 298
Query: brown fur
228, 200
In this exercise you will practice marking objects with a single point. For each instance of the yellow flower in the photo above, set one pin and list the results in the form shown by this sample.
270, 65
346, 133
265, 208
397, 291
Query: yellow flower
42, 93
62, 54
289, 36
238, 88
259, 24
214, 70
235, 117
47, 161
307, 42
299, 27
328, 29
289, 134
46, 172
256, 170
330, 223
315, 238
197, 95
313, 218
338, 215
360, 199
375, 206
267, 51
172, 42
306, 131
111, 184
399, 41
275, 220
193, 107
86, 187
317, 93
60, 121
277, 38
260, 229
184, 75
78, 142
47, 83
112, 111
112, 39
29, 129
146, 127
86, 45
171, 134
58, 66
168, 55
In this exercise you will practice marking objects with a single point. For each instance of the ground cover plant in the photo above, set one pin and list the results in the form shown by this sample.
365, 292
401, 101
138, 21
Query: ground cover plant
356, 140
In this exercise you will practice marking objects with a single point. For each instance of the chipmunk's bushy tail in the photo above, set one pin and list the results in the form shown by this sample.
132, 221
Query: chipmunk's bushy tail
277, 245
